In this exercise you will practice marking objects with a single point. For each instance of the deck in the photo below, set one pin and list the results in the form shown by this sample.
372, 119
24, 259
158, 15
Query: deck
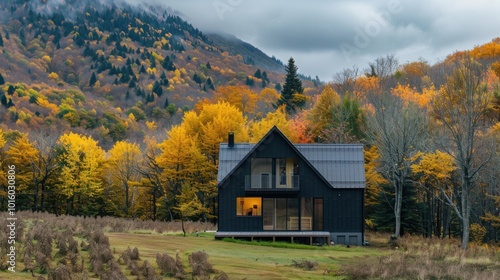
293, 236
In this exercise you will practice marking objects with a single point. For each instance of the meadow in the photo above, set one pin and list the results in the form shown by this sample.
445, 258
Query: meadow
64, 247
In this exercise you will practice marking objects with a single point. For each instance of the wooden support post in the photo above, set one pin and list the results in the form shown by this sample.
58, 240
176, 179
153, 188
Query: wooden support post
310, 240
274, 238
291, 239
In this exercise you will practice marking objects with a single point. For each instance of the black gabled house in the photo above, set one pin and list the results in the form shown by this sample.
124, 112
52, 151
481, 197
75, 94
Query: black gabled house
311, 193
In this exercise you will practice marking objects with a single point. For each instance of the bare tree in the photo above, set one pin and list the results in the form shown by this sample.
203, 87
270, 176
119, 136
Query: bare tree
461, 108
45, 166
398, 131
383, 68
345, 81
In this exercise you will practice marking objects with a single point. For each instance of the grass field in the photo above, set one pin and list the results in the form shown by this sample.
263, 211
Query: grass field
411, 257
248, 261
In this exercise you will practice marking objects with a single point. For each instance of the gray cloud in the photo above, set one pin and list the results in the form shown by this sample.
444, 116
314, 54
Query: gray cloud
326, 36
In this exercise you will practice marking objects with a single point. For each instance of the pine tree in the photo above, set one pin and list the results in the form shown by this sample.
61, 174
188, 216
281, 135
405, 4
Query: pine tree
292, 94
93, 80
1, 40
2, 81
257, 74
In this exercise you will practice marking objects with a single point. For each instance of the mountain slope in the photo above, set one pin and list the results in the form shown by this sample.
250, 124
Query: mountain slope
88, 66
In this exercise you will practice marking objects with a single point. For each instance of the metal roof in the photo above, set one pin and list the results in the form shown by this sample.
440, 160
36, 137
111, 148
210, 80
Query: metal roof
342, 165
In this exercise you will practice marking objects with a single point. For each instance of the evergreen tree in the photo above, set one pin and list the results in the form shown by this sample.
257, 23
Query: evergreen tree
93, 80
208, 65
264, 77
157, 89
292, 94
249, 82
411, 212
257, 74
210, 84
277, 87
2, 81
1, 40
166, 103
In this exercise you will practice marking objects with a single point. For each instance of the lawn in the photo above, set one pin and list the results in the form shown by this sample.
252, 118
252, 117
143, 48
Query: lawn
241, 261
103, 241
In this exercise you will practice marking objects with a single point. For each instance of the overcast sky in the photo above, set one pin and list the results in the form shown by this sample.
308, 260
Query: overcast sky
325, 37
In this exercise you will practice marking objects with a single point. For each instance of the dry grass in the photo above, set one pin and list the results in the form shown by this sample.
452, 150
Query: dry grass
420, 258
160, 252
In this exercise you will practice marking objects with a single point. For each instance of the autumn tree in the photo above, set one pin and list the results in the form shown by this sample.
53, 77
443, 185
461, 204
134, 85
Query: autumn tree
398, 131
190, 205
277, 118
152, 172
292, 94
81, 172
242, 97
434, 171
22, 154
182, 163
38, 165
211, 126
334, 119
374, 181
124, 160
460, 107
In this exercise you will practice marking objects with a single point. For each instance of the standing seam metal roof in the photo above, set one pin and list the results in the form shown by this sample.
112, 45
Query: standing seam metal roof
342, 165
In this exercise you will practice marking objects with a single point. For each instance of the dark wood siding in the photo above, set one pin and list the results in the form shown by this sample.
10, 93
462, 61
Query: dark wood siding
347, 214
342, 208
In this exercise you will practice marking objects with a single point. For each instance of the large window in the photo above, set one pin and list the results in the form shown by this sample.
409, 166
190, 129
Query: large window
283, 213
272, 173
280, 213
248, 206
287, 170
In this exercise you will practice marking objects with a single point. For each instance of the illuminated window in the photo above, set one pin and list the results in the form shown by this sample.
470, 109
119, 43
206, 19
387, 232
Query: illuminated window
248, 206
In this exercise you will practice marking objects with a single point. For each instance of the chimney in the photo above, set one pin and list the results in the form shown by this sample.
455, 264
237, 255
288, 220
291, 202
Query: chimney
230, 139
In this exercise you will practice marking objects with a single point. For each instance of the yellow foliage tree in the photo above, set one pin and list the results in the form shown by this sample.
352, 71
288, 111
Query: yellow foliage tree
242, 97
182, 163
81, 173
321, 115
22, 154
211, 126
277, 118
123, 163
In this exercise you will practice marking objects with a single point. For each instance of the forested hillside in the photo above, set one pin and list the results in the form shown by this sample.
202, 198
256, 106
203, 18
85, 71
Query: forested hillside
90, 67
114, 110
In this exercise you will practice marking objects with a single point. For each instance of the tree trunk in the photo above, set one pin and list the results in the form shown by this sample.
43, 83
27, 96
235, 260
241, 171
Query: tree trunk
466, 209
397, 208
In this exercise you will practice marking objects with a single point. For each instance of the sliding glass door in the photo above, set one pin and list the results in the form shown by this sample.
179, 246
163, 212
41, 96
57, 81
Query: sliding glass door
281, 213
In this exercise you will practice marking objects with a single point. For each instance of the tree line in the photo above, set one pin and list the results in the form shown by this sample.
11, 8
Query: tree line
431, 150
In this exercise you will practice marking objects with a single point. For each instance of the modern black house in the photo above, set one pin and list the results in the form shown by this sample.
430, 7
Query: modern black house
276, 190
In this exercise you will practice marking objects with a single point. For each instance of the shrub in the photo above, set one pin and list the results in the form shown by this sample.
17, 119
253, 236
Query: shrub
305, 264
61, 272
166, 264
200, 265
148, 271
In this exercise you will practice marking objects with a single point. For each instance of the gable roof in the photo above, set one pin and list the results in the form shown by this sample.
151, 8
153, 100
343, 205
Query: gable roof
339, 165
